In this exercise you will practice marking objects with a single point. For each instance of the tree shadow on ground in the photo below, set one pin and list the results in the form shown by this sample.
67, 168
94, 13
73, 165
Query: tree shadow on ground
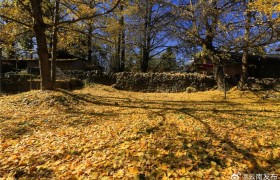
155, 104
217, 108
16, 130
161, 108
33, 173
246, 153
209, 108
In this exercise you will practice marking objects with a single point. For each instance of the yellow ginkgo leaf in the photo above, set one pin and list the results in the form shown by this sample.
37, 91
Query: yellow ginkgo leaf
133, 170
61, 168
120, 173
164, 167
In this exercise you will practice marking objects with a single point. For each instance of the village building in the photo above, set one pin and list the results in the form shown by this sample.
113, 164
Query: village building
258, 66
31, 64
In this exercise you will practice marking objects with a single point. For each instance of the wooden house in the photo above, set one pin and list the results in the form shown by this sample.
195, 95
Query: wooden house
259, 66
63, 64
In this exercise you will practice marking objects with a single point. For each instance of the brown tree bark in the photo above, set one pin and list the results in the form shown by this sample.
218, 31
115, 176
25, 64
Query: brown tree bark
55, 40
89, 35
39, 28
122, 42
147, 39
120, 47
218, 64
89, 43
244, 75
118, 51
219, 75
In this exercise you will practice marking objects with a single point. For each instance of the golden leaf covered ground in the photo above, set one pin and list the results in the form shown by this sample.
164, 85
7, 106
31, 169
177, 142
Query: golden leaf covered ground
102, 133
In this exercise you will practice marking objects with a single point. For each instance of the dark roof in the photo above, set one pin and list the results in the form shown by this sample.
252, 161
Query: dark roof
235, 58
20, 59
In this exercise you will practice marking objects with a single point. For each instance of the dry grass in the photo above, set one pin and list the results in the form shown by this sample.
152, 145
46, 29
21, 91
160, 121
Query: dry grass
102, 133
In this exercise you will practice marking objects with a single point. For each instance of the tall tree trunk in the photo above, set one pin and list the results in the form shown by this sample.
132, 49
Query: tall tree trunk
89, 35
219, 75
218, 65
147, 39
39, 28
118, 52
122, 65
54, 46
89, 42
116, 55
244, 76
122, 42
145, 60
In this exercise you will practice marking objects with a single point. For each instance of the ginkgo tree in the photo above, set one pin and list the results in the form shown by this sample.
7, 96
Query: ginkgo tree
147, 30
219, 28
115, 29
199, 24
266, 6
31, 14
271, 9
259, 30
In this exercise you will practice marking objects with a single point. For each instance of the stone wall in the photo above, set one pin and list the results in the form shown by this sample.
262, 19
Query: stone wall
93, 76
163, 82
15, 83
263, 84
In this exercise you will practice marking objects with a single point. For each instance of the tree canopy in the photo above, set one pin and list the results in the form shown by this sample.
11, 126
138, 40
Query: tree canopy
133, 35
